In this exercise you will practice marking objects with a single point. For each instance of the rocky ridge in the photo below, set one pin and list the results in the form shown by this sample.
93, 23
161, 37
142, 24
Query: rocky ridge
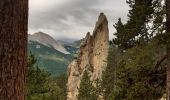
92, 57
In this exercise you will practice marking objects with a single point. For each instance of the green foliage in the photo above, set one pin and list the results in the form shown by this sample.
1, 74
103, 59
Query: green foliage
61, 81
86, 90
138, 73
144, 80
108, 76
136, 70
40, 85
138, 29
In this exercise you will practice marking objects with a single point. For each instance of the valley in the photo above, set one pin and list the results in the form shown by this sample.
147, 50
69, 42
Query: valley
52, 55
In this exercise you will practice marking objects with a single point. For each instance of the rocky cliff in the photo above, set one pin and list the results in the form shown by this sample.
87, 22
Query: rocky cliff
92, 57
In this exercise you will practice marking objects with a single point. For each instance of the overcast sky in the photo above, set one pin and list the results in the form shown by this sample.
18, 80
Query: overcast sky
72, 19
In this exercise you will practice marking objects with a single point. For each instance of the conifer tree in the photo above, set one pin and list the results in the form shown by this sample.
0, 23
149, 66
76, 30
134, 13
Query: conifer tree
37, 80
108, 76
40, 85
135, 30
86, 90
139, 73
13, 48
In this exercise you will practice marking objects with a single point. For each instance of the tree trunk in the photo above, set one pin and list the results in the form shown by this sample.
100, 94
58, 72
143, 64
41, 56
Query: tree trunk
13, 48
168, 46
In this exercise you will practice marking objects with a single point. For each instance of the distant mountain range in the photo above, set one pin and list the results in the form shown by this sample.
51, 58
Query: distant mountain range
47, 40
53, 56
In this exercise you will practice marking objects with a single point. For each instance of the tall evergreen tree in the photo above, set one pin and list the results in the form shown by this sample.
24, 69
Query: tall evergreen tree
40, 85
37, 80
135, 30
13, 48
108, 76
86, 90
137, 77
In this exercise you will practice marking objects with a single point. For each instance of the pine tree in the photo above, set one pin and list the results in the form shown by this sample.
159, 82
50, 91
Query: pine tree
108, 76
140, 74
86, 90
40, 85
135, 30
61, 81
37, 80
13, 48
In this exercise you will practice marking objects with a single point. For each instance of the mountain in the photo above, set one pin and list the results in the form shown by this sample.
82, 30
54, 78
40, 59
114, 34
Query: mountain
75, 44
47, 40
52, 55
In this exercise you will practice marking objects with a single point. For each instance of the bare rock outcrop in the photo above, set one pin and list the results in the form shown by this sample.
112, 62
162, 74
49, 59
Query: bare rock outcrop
92, 57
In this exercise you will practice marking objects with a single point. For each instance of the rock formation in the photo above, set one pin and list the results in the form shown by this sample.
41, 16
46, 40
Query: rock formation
92, 57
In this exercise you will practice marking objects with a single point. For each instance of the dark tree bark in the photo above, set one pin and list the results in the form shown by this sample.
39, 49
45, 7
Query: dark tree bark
168, 46
13, 48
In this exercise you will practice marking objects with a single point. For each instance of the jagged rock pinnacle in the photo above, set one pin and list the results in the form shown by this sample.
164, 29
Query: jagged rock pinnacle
92, 57
102, 22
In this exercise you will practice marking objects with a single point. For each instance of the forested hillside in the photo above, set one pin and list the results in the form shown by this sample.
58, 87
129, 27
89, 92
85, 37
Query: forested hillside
51, 54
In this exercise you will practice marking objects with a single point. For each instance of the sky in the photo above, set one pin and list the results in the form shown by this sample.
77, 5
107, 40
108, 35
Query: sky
70, 20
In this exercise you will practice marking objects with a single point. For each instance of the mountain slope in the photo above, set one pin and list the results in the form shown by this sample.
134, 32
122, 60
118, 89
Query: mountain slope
52, 55
75, 44
47, 40
50, 59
